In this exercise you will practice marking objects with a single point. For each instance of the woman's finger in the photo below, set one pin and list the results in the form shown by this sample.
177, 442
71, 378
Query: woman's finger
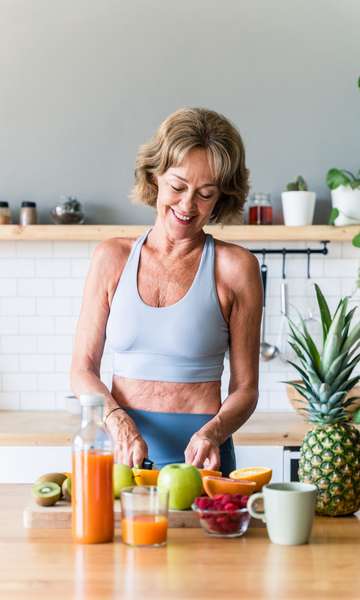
201, 455
213, 459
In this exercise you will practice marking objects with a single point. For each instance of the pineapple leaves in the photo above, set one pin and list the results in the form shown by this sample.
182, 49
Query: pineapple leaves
334, 340
306, 343
324, 312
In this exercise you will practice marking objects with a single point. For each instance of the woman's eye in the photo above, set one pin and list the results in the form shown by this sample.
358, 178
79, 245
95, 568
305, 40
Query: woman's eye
205, 197
176, 189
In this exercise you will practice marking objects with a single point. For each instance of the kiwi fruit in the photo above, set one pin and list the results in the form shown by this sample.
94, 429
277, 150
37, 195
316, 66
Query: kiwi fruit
66, 489
46, 493
58, 478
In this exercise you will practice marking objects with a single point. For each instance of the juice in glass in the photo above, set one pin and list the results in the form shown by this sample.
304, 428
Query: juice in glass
144, 516
92, 476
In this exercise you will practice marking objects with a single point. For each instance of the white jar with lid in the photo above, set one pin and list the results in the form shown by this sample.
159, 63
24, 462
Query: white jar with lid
28, 214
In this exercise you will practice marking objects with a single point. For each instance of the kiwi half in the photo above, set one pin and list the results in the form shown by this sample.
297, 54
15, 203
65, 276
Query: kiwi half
46, 493
66, 489
58, 478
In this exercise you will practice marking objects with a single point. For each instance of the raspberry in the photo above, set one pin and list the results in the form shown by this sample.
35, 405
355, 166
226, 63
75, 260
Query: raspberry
230, 506
203, 502
244, 501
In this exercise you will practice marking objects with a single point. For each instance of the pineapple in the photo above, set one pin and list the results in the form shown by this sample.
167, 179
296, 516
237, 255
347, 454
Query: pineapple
330, 453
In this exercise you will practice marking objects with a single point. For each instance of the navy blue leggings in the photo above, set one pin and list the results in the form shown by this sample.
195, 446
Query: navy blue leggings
168, 434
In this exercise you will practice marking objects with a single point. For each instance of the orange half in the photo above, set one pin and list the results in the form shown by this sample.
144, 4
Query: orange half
210, 473
225, 485
259, 475
146, 476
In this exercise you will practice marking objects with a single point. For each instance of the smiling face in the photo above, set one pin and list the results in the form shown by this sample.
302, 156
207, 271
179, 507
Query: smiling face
187, 194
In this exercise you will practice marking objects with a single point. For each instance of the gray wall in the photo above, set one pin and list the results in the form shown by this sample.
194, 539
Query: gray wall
84, 82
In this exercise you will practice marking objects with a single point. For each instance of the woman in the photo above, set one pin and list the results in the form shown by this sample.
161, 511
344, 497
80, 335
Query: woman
172, 302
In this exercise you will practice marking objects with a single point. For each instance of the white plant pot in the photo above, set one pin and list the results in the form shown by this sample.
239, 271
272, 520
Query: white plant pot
298, 208
347, 201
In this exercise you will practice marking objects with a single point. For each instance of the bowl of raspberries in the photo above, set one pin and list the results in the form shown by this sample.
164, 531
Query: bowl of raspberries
223, 515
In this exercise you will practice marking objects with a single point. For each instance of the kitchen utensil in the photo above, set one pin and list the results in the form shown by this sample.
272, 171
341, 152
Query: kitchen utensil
289, 510
312, 324
267, 351
147, 464
283, 336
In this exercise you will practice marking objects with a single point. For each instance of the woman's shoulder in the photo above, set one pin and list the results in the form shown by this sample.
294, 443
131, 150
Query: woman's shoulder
110, 256
113, 248
234, 256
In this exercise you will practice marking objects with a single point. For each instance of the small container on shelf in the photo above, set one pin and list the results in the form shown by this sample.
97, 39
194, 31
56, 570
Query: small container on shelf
28, 215
5, 214
260, 209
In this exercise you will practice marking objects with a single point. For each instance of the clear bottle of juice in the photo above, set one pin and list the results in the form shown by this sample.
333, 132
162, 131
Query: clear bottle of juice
92, 472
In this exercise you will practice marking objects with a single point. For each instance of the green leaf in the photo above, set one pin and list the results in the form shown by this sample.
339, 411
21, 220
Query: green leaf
324, 311
335, 368
356, 240
353, 338
337, 177
334, 341
355, 184
334, 213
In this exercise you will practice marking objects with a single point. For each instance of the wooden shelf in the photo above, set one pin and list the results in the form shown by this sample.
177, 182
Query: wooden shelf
245, 233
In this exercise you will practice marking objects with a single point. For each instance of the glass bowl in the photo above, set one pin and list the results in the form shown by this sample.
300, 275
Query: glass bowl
223, 523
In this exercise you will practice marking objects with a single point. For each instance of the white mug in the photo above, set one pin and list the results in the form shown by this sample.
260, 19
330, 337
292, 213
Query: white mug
289, 510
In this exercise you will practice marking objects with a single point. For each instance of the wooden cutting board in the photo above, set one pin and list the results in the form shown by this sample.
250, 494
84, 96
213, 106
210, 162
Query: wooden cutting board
59, 517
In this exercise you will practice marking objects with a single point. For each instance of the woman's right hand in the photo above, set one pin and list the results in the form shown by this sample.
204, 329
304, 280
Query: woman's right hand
129, 447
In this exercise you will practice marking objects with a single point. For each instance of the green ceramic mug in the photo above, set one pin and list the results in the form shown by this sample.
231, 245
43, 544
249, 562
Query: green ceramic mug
289, 510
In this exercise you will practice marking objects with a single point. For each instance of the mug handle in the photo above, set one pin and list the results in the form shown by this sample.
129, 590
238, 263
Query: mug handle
253, 512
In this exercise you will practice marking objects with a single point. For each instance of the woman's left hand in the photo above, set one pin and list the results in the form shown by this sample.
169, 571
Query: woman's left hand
202, 452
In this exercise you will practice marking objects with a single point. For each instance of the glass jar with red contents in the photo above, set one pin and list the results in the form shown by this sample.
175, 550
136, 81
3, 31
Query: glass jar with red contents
260, 209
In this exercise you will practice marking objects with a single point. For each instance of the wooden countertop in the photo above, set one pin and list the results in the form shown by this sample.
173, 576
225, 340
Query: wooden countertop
55, 428
41, 564
250, 233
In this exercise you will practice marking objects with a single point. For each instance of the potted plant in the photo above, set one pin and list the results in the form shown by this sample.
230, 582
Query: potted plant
298, 203
330, 452
345, 196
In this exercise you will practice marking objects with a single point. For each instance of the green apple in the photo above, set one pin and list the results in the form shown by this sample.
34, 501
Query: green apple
122, 477
183, 483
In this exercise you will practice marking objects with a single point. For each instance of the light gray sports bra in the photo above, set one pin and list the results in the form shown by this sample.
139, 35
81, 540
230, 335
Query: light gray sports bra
183, 342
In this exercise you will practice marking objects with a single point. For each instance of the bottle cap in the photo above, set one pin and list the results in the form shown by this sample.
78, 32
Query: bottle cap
28, 204
4, 204
92, 399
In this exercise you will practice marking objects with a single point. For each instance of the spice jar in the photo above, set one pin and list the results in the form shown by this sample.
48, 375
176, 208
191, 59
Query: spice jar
260, 209
28, 214
5, 214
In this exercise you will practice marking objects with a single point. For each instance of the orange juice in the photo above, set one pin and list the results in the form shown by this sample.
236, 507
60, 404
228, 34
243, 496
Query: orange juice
144, 530
92, 497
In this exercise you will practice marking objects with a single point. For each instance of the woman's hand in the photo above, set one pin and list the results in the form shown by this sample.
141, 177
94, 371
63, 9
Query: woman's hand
202, 452
129, 447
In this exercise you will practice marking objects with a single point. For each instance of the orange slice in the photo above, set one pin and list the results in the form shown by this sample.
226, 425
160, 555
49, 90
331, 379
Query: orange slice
145, 476
260, 475
225, 485
210, 473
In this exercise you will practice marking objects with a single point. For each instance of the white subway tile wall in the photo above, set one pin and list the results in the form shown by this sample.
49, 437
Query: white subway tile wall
41, 285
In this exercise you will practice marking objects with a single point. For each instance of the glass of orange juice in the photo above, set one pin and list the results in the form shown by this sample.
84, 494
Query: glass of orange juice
144, 515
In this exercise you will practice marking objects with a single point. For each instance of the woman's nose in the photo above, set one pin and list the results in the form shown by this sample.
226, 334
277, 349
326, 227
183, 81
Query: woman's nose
187, 200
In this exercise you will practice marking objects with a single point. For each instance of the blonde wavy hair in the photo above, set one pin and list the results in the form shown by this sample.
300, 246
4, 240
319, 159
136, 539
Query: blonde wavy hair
189, 128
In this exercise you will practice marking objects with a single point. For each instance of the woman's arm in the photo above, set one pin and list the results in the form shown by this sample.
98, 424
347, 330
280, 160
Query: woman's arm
89, 346
244, 328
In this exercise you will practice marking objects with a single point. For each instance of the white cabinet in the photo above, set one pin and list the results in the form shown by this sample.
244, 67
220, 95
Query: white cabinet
261, 456
24, 464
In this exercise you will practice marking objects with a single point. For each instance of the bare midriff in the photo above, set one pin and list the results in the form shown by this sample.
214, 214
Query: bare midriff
164, 396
